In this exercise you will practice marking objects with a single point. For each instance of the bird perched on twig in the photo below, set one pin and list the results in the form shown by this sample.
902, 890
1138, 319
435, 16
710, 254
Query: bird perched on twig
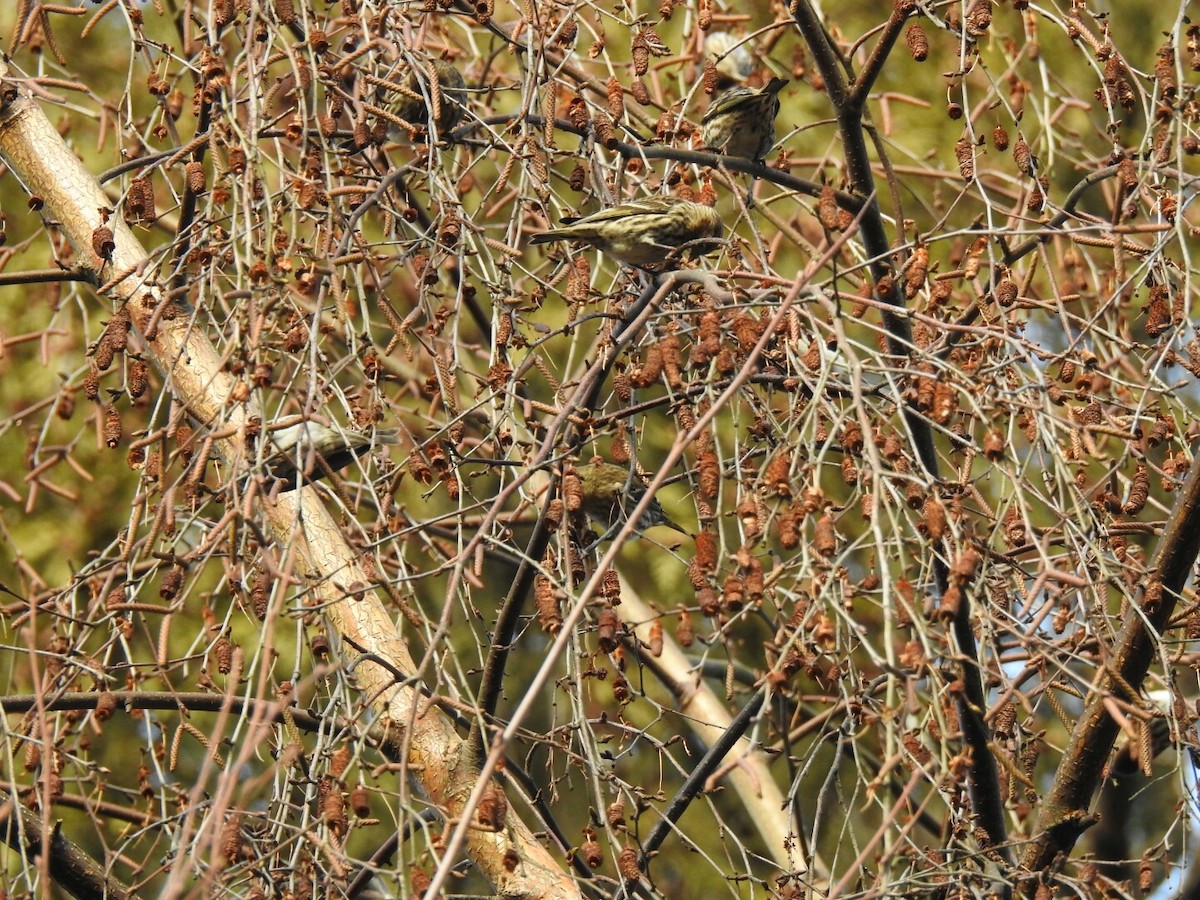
731, 57
438, 86
644, 232
308, 450
741, 122
610, 494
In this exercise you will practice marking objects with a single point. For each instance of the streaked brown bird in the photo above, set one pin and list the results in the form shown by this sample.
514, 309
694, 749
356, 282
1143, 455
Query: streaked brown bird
644, 232
308, 451
741, 122
731, 56
610, 494
438, 86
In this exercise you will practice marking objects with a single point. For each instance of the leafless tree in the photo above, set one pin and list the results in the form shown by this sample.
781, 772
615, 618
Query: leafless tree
927, 417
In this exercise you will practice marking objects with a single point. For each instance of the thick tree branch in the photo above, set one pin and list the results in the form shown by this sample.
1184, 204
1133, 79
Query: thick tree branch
72, 869
32, 147
1063, 815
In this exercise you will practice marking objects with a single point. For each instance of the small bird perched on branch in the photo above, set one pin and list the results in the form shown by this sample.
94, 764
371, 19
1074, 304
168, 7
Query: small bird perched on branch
307, 451
610, 494
644, 232
731, 57
437, 85
741, 122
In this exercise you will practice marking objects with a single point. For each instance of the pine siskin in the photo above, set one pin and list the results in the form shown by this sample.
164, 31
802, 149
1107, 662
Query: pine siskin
321, 450
448, 97
741, 122
644, 232
610, 493
730, 55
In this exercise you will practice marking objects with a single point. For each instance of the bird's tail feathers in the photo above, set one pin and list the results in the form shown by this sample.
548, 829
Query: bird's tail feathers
387, 435
561, 234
